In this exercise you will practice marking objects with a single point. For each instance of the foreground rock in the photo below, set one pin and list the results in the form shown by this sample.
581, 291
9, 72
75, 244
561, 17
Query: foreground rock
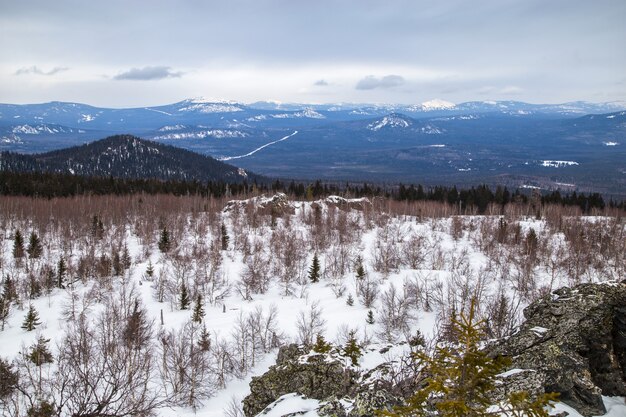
575, 340
342, 390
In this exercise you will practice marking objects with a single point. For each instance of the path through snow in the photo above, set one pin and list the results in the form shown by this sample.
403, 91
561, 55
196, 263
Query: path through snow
228, 158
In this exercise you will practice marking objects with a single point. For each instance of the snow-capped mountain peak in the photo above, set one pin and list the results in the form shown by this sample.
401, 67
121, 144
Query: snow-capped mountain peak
437, 104
393, 120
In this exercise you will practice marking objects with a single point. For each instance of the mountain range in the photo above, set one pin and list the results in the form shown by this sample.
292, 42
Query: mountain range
571, 146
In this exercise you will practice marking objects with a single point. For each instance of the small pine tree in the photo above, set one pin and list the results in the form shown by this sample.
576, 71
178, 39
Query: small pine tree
39, 352
126, 259
225, 238
31, 321
5, 309
360, 270
321, 345
184, 297
9, 293
350, 300
204, 343
61, 272
462, 377
370, 317
97, 228
352, 349
18, 245
314, 271
150, 270
34, 249
164, 241
198, 310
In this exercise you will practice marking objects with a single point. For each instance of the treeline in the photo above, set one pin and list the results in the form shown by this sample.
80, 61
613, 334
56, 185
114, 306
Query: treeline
50, 185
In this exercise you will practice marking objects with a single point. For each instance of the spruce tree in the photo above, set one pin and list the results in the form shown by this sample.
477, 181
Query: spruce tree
184, 297
204, 343
462, 377
150, 270
198, 310
39, 352
225, 238
9, 378
5, 309
34, 249
164, 241
370, 317
314, 271
321, 345
18, 245
61, 272
31, 321
350, 300
360, 270
352, 349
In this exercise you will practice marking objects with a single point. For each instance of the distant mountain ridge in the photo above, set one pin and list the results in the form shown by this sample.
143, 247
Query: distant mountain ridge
127, 156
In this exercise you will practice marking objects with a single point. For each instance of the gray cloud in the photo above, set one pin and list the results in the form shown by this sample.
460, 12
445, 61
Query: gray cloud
321, 83
147, 74
388, 81
38, 71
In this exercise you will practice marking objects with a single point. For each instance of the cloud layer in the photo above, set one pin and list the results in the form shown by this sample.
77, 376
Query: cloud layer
371, 82
38, 71
405, 51
147, 74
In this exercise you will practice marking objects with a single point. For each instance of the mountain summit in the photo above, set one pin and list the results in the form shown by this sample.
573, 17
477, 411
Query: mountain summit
127, 156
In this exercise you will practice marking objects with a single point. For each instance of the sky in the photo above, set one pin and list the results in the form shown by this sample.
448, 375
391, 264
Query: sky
141, 53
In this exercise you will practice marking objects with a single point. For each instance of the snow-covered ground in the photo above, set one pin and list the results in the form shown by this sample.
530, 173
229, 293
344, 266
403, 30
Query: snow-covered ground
424, 264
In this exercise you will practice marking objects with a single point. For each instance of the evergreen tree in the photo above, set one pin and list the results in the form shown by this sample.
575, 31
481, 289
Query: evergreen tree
225, 238
184, 297
34, 246
321, 345
350, 300
360, 270
164, 241
18, 245
61, 272
462, 377
9, 292
150, 270
198, 310
31, 321
8, 378
204, 343
126, 259
138, 330
314, 271
370, 317
97, 228
352, 349
39, 352
5, 309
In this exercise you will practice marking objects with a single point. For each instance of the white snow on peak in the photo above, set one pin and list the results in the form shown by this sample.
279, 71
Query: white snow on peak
307, 113
37, 129
87, 118
393, 121
437, 104
205, 105
201, 134
610, 143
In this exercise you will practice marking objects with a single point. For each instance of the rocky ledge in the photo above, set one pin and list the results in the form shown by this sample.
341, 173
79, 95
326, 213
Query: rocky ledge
575, 341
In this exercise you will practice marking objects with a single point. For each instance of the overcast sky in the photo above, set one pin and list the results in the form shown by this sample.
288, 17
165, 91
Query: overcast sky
139, 53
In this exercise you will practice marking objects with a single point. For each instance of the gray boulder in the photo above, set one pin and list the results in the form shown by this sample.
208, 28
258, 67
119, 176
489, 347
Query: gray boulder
575, 340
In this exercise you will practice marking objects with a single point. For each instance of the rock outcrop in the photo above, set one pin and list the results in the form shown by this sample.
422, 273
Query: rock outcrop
342, 390
575, 340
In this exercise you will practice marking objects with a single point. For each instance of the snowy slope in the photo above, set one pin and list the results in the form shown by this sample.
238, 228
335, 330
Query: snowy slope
446, 251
